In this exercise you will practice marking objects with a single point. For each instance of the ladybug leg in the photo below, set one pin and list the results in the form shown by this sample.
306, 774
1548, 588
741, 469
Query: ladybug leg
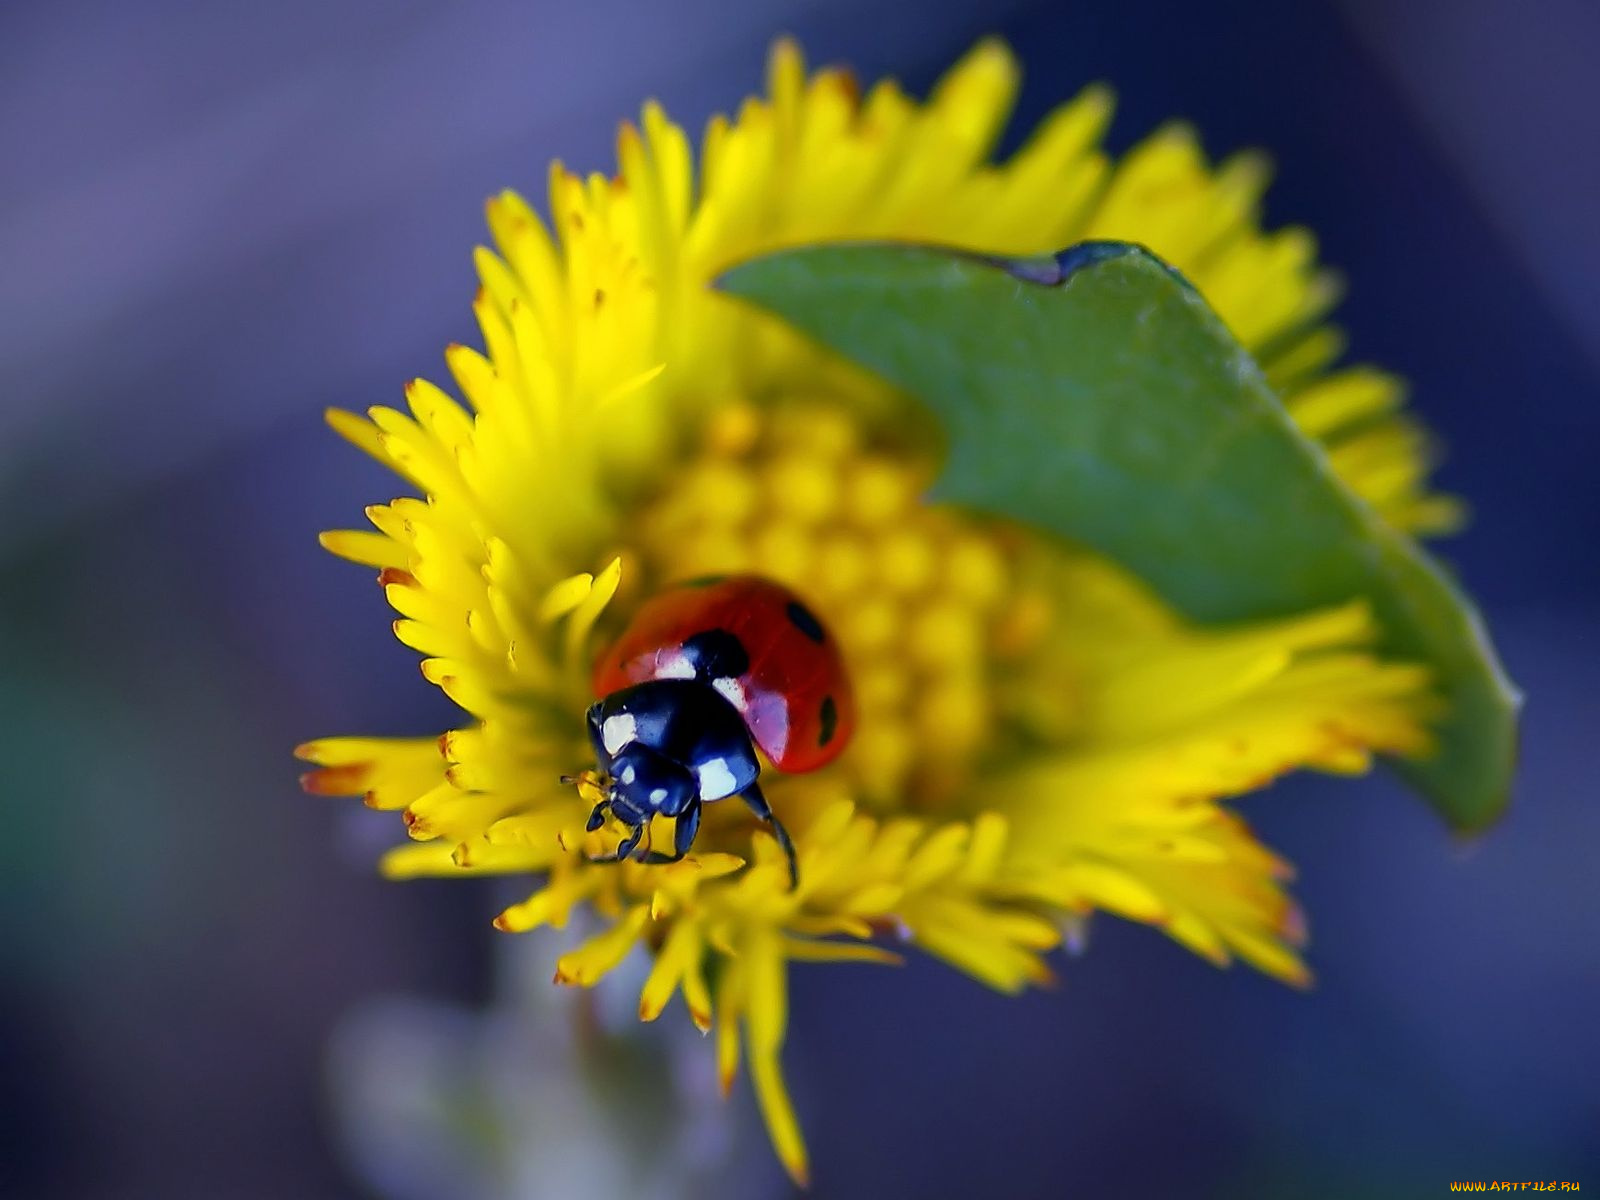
682, 836
688, 825
625, 850
597, 818
758, 805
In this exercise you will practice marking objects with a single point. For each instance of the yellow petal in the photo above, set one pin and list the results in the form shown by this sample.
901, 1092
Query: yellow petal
680, 949
585, 965
730, 1007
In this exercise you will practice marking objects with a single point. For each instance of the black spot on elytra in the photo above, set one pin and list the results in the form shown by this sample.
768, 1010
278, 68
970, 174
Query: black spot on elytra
717, 654
830, 720
702, 581
805, 621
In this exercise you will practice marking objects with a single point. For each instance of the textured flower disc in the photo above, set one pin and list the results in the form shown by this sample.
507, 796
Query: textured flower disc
1038, 736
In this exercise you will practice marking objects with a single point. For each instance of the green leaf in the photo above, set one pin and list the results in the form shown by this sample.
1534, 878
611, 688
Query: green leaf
1095, 394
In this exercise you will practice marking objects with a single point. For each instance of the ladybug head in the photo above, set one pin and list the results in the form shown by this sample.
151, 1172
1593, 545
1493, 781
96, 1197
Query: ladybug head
663, 747
644, 782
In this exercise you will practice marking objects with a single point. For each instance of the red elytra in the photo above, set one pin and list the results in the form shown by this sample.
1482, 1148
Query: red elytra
791, 687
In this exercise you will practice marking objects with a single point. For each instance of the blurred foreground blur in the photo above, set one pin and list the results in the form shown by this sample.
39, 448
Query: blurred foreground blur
217, 222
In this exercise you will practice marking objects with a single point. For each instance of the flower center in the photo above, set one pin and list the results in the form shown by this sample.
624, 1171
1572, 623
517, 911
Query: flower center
918, 596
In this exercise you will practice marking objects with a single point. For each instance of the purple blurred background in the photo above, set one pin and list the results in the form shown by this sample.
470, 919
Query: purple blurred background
217, 220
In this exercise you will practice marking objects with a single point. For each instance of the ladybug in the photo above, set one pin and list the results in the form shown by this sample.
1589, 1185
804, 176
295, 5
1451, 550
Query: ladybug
708, 672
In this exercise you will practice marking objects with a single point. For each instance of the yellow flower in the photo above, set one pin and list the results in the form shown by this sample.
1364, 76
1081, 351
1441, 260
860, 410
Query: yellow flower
1038, 735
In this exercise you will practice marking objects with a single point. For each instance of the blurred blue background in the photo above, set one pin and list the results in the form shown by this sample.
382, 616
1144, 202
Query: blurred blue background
216, 220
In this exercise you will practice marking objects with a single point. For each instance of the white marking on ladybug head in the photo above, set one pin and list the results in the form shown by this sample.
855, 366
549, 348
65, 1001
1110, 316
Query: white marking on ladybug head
732, 690
716, 781
629, 773
657, 795
673, 664
619, 729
